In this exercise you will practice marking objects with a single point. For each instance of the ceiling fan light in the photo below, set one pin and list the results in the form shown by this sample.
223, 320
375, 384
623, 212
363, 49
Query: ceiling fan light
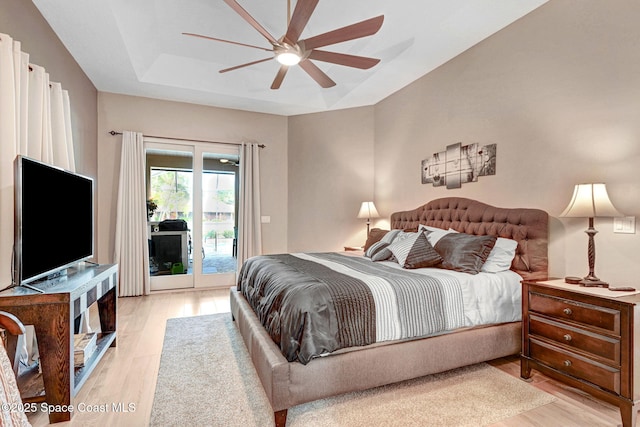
288, 58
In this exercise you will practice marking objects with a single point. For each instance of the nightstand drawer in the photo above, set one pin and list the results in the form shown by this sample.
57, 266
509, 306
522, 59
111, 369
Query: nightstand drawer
601, 346
576, 366
591, 315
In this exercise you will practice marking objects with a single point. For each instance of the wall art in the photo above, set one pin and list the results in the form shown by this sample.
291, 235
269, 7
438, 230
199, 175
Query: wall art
459, 164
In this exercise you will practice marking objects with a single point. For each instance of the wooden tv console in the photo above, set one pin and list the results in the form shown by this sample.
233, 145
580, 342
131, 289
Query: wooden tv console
53, 314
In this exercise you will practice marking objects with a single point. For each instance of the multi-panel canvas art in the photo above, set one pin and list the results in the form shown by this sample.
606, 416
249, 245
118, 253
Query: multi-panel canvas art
459, 164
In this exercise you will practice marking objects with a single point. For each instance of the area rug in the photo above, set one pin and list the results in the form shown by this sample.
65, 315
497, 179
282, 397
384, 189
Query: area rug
206, 378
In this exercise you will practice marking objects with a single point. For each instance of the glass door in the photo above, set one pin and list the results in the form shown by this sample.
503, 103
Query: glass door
193, 186
217, 207
170, 190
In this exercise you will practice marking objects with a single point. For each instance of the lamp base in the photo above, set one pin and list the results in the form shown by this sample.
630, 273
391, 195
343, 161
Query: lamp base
573, 280
593, 283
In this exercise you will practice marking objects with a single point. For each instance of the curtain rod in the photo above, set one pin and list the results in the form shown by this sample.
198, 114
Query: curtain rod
113, 133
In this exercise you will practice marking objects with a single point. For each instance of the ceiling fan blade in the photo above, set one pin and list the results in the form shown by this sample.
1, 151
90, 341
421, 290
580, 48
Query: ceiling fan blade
316, 74
355, 31
245, 65
301, 14
227, 41
361, 62
245, 15
279, 77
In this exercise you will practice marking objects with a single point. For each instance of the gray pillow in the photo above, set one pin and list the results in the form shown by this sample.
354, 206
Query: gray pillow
415, 252
464, 252
375, 235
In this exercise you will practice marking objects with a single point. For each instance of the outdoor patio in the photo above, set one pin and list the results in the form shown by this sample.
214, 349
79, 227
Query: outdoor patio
218, 256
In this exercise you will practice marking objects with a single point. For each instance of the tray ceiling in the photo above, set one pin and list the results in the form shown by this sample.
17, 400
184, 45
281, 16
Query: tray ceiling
136, 47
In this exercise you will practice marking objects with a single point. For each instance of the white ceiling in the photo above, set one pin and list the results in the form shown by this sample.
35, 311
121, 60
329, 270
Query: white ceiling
136, 47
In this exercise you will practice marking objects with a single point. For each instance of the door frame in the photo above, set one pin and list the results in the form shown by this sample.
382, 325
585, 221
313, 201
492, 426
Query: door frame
197, 279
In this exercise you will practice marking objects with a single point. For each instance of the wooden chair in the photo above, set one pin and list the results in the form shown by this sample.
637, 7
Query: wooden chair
11, 413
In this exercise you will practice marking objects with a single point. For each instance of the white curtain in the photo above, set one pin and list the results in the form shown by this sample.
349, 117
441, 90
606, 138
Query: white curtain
250, 230
9, 127
34, 121
132, 250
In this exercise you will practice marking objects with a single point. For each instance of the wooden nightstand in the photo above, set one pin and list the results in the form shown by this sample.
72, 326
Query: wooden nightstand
353, 248
585, 338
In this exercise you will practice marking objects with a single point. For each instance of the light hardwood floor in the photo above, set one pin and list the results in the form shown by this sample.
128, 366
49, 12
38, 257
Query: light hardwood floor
127, 374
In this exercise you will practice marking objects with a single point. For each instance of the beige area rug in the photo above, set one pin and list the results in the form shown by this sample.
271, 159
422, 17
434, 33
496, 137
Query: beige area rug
206, 378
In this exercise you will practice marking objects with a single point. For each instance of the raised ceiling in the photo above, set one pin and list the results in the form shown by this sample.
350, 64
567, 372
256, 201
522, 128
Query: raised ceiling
136, 47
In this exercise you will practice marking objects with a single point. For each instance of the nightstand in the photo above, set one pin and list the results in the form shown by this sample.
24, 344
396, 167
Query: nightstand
585, 338
353, 248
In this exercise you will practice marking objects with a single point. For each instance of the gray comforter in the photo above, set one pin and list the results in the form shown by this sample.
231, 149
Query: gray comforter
312, 304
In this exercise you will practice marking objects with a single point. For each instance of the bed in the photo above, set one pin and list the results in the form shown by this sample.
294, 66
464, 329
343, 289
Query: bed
289, 381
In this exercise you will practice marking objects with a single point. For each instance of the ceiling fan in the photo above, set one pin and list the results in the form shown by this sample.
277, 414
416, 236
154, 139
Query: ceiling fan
289, 50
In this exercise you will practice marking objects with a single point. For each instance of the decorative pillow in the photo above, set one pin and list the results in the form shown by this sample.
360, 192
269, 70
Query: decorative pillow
377, 251
415, 252
435, 233
374, 236
385, 254
501, 256
464, 252
428, 227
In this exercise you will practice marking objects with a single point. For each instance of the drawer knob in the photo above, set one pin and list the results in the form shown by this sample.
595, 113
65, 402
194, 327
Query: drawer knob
567, 311
567, 363
567, 337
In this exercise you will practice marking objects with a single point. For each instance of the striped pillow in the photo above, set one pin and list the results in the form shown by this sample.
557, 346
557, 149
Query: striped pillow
378, 251
374, 236
415, 252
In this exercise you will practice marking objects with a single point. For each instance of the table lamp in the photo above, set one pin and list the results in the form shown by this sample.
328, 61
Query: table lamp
590, 201
368, 210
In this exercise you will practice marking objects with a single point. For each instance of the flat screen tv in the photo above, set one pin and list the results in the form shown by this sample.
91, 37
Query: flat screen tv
53, 220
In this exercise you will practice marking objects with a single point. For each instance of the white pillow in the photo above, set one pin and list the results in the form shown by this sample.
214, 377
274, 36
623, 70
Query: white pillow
434, 234
428, 227
501, 256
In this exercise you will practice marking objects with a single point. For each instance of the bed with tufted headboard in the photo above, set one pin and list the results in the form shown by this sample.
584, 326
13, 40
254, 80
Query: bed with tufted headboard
528, 227
288, 382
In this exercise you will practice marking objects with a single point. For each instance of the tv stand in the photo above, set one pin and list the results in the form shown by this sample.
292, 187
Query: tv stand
33, 288
52, 310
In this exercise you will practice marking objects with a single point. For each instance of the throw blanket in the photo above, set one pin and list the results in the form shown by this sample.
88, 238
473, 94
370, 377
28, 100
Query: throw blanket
312, 304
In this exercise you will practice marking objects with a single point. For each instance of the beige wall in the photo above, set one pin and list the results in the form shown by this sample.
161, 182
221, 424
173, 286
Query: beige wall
180, 120
559, 93
24, 23
330, 174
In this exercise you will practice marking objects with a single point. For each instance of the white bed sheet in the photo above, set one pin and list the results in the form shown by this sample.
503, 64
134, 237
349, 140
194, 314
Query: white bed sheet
489, 298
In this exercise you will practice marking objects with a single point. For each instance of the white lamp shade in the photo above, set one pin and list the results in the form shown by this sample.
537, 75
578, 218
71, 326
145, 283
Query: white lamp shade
368, 210
590, 201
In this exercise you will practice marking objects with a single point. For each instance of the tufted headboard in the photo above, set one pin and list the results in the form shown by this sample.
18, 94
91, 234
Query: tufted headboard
529, 227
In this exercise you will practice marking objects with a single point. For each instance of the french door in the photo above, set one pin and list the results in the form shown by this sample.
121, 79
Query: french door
193, 229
